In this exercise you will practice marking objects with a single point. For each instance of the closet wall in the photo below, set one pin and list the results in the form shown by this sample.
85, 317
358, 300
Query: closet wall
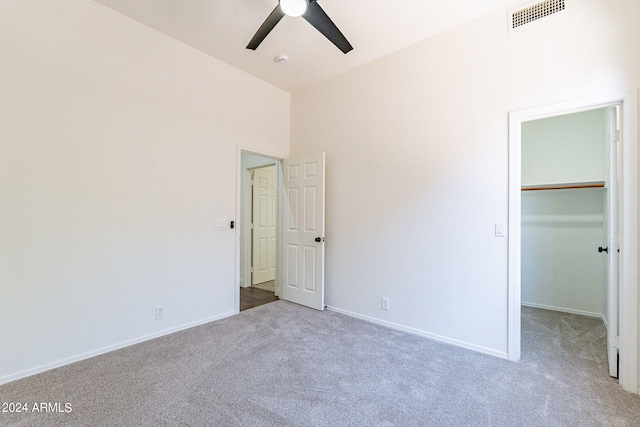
562, 229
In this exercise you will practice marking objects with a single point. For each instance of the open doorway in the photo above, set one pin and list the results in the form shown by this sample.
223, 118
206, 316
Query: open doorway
569, 209
300, 240
627, 299
258, 230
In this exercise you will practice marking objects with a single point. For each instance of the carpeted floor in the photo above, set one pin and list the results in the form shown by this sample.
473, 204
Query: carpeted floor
285, 365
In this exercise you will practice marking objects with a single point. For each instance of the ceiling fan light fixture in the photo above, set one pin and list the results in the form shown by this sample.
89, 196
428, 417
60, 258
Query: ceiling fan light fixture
294, 7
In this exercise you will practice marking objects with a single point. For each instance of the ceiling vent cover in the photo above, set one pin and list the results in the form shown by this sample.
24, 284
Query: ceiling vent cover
534, 12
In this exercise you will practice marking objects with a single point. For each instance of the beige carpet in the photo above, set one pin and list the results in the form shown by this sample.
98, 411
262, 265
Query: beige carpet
281, 364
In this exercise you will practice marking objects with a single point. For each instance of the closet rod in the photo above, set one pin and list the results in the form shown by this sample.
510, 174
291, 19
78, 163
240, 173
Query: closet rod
563, 187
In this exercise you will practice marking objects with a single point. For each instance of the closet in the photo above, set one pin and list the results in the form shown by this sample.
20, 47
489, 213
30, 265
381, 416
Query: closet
564, 175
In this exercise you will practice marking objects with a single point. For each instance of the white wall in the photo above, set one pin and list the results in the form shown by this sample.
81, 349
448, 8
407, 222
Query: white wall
417, 161
561, 267
117, 151
565, 149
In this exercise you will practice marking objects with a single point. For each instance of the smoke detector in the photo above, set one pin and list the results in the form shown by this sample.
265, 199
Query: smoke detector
281, 59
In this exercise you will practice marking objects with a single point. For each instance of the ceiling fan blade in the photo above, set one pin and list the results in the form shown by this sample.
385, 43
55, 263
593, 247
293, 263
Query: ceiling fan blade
315, 16
266, 27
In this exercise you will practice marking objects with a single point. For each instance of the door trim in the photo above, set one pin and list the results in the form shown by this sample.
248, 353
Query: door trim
241, 222
628, 350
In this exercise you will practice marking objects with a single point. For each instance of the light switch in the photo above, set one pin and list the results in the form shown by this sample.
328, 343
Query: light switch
500, 229
220, 224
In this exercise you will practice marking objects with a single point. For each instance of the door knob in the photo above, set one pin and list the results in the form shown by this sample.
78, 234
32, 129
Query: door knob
601, 249
319, 239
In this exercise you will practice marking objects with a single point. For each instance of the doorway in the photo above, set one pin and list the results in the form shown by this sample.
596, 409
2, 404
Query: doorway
259, 213
569, 199
300, 226
628, 238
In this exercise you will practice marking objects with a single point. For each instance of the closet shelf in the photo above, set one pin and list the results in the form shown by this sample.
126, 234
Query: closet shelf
564, 186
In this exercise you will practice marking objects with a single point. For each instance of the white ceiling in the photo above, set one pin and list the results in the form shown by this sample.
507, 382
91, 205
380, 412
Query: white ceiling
223, 28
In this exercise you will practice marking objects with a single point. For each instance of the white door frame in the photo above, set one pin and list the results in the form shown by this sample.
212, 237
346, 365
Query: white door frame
241, 221
628, 327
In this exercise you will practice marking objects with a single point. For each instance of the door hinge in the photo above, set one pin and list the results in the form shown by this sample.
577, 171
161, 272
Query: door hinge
616, 136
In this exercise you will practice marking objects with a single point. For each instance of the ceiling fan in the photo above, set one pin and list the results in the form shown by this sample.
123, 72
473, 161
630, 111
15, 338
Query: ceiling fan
311, 11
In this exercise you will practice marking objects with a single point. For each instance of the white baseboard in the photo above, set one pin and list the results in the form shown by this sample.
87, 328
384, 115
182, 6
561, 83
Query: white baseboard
436, 337
107, 349
562, 309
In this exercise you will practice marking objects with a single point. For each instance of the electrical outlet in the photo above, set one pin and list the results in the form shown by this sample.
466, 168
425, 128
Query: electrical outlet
159, 312
384, 303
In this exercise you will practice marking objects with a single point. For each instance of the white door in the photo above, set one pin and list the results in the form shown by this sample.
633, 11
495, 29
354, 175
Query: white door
264, 225
612, 232
303, 231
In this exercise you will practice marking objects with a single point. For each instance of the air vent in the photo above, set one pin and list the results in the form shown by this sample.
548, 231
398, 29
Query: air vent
534, 12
